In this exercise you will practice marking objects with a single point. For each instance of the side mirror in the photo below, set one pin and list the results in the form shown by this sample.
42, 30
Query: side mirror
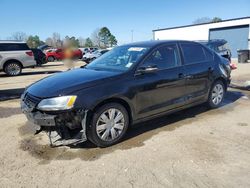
147, 69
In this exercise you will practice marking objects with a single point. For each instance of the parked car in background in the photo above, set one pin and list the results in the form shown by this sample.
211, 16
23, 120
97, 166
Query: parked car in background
14, 56
88, 50
93, 49
84, 50
58, 54
44, 47
39, 56
88, 57
130, 84
219, 46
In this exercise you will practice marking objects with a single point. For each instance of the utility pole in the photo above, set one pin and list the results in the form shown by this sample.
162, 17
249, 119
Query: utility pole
132, 35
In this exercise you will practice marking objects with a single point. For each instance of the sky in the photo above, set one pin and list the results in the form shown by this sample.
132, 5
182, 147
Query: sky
80, 18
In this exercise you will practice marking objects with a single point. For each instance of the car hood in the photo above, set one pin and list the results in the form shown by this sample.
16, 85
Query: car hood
67, 82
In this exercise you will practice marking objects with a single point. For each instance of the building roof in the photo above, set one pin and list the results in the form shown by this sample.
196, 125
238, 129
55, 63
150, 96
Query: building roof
191, 25
11, 41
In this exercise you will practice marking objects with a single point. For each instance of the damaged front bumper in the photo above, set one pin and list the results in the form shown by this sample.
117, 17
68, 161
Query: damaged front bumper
64, 128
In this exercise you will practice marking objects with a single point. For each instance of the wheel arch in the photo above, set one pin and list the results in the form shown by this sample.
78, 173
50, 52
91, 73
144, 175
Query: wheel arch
223, 80
120, 101
51, 56
12, 60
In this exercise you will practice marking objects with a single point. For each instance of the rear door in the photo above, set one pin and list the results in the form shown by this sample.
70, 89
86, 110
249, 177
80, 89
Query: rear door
198, 63
162, 90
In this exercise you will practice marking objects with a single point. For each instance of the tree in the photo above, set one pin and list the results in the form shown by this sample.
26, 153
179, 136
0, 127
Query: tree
96, 39
34, 41
112, 41
81, 41
105, 34
207, 20
21, 36
49, 41
216, 19
106, 38
88, 42
202, 20
57, 42
74, 42
71, 41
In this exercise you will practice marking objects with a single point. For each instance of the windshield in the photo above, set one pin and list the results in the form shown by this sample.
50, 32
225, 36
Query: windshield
119, 59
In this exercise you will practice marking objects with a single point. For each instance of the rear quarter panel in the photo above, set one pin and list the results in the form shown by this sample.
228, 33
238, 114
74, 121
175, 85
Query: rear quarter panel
20, 56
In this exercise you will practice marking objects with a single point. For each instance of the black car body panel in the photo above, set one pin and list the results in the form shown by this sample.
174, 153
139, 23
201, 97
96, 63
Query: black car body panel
145, 95
39, 56
68, 82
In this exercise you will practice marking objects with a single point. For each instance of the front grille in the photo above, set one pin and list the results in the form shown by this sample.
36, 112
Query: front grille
31, 101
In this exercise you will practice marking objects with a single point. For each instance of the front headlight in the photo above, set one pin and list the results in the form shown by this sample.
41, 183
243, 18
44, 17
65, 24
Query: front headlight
57, 103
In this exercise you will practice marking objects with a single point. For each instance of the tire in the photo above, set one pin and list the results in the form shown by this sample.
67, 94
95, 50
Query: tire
13, 68
104, 130
216, 94
51, 59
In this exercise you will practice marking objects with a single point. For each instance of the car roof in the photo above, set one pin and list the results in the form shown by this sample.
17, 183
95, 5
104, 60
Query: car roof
12, 41
153, 43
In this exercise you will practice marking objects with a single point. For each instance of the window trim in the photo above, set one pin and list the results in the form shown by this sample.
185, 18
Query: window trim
6, 44
183, 57
179, 63
209, 51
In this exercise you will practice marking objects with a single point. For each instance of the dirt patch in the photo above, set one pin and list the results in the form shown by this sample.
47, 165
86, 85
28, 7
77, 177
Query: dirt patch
243, 124
9, 111
135, 137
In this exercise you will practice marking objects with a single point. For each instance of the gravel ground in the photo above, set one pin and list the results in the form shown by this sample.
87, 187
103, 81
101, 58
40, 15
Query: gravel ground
196, 147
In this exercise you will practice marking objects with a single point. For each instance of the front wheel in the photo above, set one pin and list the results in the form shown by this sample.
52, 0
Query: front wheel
216, 94
109, 124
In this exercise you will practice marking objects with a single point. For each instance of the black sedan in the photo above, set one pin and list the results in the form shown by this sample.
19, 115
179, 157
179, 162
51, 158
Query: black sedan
129, 84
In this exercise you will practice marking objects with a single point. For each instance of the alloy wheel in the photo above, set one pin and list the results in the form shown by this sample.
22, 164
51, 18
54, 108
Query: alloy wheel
217, 94
13, 69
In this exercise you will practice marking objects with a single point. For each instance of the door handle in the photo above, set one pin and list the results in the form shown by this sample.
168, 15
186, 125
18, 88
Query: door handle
181, 75
188, 76
210, 69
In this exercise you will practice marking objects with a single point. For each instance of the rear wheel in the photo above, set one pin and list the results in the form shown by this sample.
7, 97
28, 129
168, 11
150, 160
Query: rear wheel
216, 94
109, 124
13, 68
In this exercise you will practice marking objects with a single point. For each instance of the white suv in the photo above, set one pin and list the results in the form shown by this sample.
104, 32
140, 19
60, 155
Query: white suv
14, 56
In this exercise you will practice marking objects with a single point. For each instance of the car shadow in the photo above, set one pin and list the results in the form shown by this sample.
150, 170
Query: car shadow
9, 94
33, 73
168, 122
53, 65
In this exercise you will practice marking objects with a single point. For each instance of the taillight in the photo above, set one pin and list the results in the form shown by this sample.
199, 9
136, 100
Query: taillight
30, 53
233, 66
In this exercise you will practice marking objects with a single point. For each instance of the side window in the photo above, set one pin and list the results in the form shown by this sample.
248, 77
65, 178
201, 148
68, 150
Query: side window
1, 47
13, 47
209, 54
193, 53
164, 57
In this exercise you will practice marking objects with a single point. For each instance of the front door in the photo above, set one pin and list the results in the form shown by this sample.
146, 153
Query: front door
163, 89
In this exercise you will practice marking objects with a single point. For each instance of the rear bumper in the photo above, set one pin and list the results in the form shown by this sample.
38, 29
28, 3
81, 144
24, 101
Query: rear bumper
29, 63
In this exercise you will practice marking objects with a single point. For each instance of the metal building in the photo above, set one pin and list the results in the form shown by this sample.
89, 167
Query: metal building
235, 31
